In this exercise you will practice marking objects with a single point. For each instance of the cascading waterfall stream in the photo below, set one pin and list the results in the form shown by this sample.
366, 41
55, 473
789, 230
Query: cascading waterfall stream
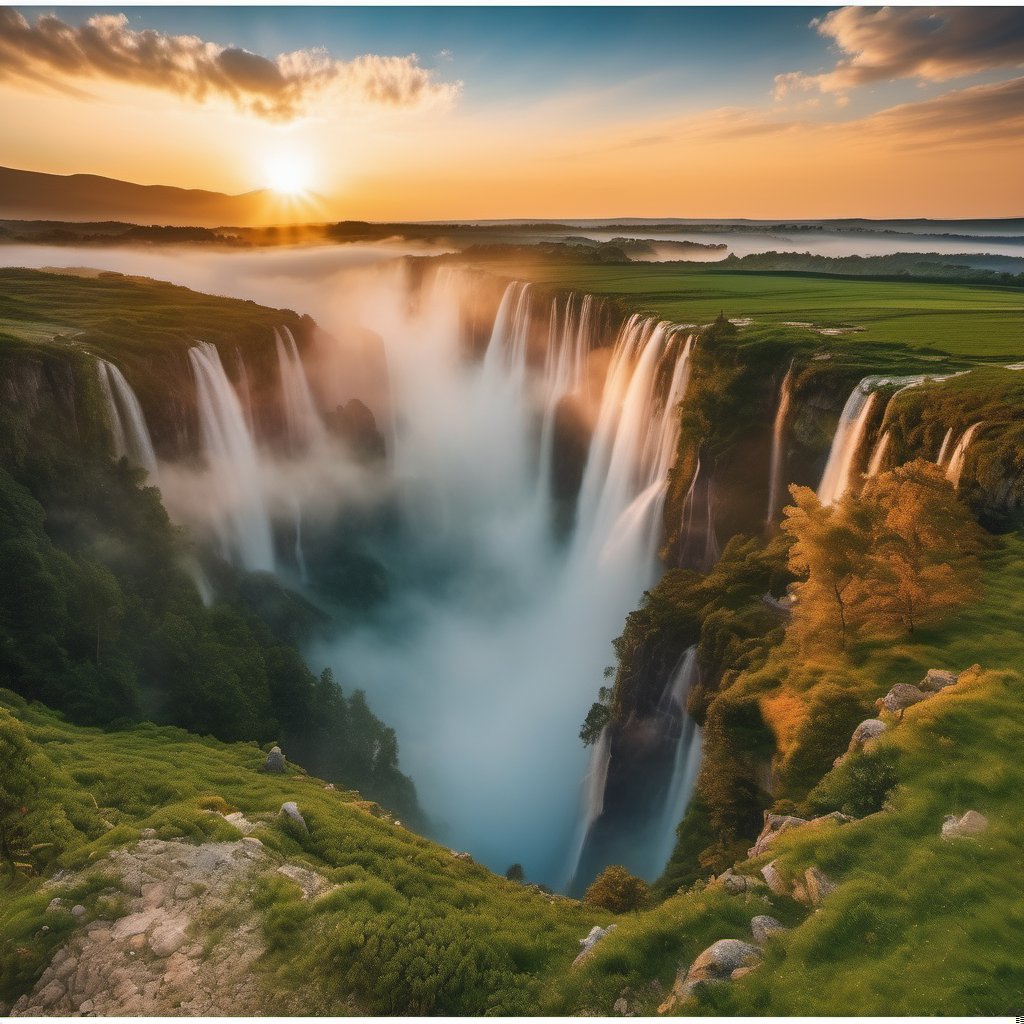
875, 462
302, 420
940, 459
686, 761
128, 428
955, 468
231, 454
493, 616
778, 437
846, 443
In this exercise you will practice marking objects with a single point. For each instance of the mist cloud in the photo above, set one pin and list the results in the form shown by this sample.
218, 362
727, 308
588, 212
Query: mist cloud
106, 49
930, 44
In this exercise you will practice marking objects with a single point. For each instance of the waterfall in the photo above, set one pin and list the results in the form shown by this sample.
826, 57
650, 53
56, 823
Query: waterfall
778, 435
686, 760
846, 443
127, 423
875, 463
944, 447
956, 460
497, 613
305, 428
231, 454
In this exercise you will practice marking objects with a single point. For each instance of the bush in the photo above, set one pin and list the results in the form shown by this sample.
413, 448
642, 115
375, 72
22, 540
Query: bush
615, 889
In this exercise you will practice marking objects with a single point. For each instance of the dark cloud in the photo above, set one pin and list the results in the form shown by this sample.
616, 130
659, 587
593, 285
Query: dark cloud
935, 44
282, 88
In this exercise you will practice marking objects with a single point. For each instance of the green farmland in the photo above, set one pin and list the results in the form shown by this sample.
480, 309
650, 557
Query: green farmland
979, 321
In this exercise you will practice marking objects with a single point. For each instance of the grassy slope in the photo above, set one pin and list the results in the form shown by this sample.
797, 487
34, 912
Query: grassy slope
971, 320
918, 926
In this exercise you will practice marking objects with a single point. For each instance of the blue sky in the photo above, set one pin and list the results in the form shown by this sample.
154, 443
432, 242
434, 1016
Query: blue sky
541, 111
666, 56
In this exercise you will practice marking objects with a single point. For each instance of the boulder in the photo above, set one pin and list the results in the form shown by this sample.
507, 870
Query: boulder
866, 734
818, 885
903, 696
462, 855
716, 964
594, 936
762, 926
275, 762
937, 679
970, 824
774, 880
774, 826
290, 810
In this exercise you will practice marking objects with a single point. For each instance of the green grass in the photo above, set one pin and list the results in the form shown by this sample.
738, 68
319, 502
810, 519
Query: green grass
967, 320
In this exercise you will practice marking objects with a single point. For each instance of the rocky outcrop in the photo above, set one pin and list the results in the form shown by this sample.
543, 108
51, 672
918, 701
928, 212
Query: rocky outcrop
776, 825
594, 936
170, 953
818, 885
736, 884
813, 888
937, 679
720, 962
275, 762
970, 824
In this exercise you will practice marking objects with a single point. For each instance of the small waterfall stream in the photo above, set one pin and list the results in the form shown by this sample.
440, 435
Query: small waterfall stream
878, 454
128, 428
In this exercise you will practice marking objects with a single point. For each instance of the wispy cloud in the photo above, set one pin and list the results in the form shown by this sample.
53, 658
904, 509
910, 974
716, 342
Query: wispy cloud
930, 44
282, 88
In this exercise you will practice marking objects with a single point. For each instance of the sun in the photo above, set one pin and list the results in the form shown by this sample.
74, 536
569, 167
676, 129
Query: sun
288, 174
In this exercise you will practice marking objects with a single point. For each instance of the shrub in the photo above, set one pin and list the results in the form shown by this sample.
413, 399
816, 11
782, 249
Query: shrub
615, 889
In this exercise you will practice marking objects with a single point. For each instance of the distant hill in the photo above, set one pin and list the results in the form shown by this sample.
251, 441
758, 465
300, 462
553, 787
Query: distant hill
90, 197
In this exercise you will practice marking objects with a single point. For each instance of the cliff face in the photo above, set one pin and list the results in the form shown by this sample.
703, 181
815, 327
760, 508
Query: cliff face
724, 597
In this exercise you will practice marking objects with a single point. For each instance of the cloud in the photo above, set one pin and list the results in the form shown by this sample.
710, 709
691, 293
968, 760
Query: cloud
105, 49
930, 44
982, 113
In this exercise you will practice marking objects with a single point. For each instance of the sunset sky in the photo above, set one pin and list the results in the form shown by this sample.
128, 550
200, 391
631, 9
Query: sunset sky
420, 113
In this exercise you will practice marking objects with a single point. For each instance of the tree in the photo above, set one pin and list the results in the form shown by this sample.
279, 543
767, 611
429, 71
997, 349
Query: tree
515, 873
615, 889
828, 552
923, 562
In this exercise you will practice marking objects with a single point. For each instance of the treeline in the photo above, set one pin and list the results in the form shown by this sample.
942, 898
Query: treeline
100, 619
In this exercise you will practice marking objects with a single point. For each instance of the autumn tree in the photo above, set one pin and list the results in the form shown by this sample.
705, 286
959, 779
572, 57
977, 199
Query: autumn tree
901, 554
923, 562
828, 554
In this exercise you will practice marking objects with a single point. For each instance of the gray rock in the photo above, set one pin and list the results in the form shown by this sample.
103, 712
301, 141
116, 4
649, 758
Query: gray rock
763, 925
290, 810
275, 762
55, 905
970, 824
819, 886
866, 734
716, 964
774, 826
937, 679
78, 912
621, 1007
308, 881
594, 936
53, 993
148, 833
461, 855
903, 696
